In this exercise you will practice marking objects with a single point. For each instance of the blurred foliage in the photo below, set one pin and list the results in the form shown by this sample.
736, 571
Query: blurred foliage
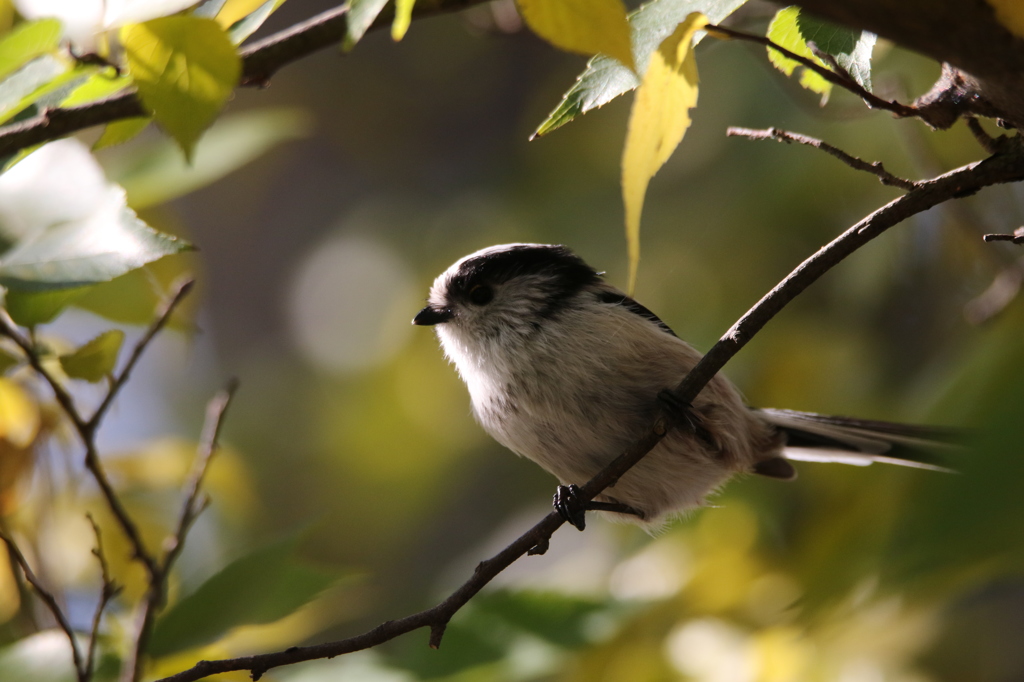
327, 236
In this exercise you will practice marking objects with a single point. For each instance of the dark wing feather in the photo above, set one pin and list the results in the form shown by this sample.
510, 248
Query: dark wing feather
617, 298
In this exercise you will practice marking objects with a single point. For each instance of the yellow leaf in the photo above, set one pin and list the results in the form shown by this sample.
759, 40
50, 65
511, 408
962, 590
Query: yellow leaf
19, 415
785, 32
584, 26
1010, 13
657, 123
185, 68
233, 10
403, 17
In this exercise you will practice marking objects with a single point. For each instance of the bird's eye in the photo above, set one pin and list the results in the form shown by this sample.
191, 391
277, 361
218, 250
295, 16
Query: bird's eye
481, 294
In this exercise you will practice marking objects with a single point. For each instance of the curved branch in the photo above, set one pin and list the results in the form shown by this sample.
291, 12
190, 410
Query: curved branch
260, 61
1001, 168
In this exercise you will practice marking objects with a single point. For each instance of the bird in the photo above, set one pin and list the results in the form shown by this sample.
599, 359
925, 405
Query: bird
568, 371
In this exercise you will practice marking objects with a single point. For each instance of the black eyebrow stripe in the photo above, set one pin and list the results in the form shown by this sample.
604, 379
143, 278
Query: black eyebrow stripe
634, 307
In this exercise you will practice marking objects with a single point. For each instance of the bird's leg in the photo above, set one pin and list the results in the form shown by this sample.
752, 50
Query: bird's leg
685, 417
573, 509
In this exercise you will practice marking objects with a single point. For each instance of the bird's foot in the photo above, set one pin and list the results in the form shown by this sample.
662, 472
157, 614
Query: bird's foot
684, 416
571, 507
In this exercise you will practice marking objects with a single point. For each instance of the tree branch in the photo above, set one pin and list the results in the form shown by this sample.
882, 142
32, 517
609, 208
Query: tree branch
873, 101
191, 508
47, 598
260, 61
108, 591
876, 168
1007, 166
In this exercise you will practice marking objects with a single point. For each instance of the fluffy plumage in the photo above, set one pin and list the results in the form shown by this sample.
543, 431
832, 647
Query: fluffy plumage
565, 369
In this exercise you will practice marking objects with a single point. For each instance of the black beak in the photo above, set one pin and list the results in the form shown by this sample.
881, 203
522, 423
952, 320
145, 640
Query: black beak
428, 317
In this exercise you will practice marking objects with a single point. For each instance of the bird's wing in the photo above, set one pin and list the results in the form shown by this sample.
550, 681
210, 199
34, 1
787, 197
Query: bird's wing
619, 298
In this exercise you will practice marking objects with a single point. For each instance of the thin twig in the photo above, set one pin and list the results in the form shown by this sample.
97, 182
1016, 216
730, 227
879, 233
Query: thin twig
1002, 168
990, 144
845, 82
191, 508
876, 168
109, 590
161, 318
51, 603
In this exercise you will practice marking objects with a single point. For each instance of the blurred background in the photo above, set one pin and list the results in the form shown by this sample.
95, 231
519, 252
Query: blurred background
373, 171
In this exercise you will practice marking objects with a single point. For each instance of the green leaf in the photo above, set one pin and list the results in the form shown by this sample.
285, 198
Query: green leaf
261, 587
185, 68
605, 79
100, 85
247, 25
26, 42
121, 131
558, 618
361, 15
63, 225
132, 297
19, 88
96, 359
784, 30
32, 308
156, 173
851, 49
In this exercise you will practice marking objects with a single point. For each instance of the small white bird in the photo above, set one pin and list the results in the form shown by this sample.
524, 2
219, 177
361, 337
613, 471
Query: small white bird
568, 371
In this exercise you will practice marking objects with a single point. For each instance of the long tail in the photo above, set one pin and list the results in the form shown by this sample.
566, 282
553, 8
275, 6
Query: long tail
820, 438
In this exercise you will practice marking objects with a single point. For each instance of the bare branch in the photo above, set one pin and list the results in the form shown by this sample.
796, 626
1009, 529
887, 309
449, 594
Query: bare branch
876, 168
1002, 168
108, 591
260, 61
191, 508
51, 603
164, 313
845, 82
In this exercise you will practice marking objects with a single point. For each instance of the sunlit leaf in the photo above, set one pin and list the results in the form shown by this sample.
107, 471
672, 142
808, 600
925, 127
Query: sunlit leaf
851, 49
100, 85
261, 587
1009, 13
784, 30
19, 414
234, 10
19, 88
185, 68
657, 123
605, 79
583, 26
32, 308
246, 26
62, 224
121, 131
95, 360
156, 173
26, 42
403, 17
361, 15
